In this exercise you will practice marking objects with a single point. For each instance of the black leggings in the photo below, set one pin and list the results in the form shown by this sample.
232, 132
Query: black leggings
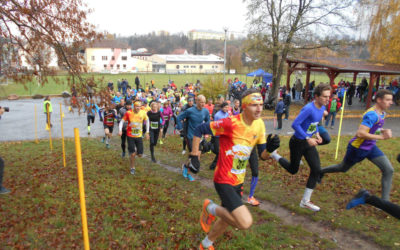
253, 161
166, 125
90, 118
1, 171
123, 140
154, 133
299, 148
384, 205
215, 150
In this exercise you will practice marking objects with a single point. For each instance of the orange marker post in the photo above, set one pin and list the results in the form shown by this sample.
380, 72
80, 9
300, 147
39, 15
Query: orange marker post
81, 189
62, 135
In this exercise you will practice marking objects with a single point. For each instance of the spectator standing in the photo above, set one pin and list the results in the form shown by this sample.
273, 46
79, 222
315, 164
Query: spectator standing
287, 100
333, 106
279, 110
299, 89
137, 82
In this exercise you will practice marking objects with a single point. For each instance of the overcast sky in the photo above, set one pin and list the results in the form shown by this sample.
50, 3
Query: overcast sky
124, 17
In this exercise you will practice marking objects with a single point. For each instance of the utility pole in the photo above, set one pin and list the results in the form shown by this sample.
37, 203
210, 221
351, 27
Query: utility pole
226, 30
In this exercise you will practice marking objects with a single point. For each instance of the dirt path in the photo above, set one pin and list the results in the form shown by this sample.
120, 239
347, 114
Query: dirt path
344, 239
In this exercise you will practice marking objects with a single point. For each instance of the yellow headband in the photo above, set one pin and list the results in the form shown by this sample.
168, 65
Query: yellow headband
254, 98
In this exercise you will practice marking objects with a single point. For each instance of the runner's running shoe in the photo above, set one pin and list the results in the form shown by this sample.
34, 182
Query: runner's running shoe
183, 152
191, 178
208, 248
309, 205
4, 190
358, 199
123, 154
161, 142
132, 171
253, 201
107, 145
184, 171
205, 217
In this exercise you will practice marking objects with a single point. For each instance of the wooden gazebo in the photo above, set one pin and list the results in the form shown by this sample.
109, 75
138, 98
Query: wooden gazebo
334, 66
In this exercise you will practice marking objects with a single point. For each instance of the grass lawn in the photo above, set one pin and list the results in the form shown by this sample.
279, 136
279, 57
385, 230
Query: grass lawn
155, 209
279, 187
160, 79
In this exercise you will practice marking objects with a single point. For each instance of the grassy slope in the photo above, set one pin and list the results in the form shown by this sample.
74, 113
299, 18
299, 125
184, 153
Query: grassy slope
154, 209
278, 186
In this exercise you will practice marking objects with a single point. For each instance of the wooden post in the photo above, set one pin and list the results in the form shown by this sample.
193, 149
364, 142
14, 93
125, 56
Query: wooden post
289, 72
307, 85
355, 77
371, 84
377, 82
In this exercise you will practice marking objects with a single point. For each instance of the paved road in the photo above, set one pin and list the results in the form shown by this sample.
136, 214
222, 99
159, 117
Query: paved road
19, 123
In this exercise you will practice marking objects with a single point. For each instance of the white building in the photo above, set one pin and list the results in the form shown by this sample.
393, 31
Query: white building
181, 64
113, 56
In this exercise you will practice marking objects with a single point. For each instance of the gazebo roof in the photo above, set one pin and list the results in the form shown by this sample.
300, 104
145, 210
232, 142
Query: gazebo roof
344, 65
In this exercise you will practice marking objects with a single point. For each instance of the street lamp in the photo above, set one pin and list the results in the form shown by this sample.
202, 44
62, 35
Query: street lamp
226, 30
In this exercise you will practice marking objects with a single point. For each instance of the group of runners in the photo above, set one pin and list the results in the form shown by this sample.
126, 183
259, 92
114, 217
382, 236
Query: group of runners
238, 137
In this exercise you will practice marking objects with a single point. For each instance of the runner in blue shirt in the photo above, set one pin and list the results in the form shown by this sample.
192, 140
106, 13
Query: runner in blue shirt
194, 116
302, 142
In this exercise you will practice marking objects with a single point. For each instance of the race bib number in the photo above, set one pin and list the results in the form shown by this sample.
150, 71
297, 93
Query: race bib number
239, 166
110, 120
166, 118
312, 128
154, 125
136, 128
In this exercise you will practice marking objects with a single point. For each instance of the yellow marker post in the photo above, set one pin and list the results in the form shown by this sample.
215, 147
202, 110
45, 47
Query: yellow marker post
340, 125
48, 125
81, 189
36, 136
62, 135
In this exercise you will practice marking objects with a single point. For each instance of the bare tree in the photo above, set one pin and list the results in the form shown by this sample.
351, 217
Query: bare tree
279, 27
31, 27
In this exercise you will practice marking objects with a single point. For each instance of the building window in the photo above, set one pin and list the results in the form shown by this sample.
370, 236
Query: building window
104, 58
177, 66
201, 67
193, 66
123, 50
113, 58
112, 66
124, 58
93, 58
186, 66
124, 66
105, 66
117, 66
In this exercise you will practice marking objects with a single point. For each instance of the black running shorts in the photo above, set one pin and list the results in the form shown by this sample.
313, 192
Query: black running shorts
135, 144
231, 196
110, 128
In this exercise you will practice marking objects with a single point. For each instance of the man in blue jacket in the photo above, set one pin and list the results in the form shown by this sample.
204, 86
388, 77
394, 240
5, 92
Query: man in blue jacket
194, 116
304, 141
279, 109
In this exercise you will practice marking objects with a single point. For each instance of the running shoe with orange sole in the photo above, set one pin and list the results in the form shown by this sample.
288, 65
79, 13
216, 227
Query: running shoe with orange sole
253, 201
208, 248
206, 218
